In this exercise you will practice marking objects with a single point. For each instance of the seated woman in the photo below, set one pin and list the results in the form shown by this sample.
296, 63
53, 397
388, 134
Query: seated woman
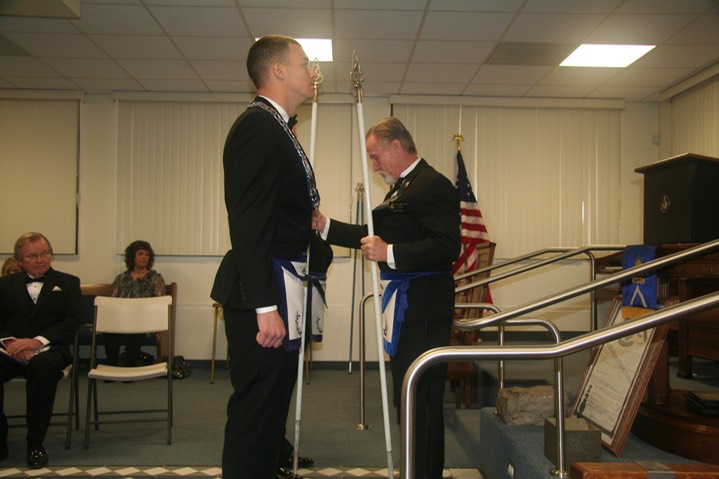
10, 266
139, 281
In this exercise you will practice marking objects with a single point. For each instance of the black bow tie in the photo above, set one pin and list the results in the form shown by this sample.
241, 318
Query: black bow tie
292, 121
40, 279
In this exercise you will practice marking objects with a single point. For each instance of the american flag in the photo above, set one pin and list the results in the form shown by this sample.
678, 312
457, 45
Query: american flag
474, 231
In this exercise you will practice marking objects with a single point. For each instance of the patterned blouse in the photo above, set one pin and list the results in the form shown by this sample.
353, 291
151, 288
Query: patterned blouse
148, 286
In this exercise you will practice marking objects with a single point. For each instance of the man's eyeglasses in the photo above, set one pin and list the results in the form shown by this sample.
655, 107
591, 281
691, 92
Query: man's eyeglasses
36, 256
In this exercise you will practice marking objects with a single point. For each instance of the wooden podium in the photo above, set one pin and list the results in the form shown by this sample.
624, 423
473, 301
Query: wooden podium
681, 208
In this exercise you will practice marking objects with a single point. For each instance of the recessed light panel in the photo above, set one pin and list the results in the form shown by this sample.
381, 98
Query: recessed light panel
608, 56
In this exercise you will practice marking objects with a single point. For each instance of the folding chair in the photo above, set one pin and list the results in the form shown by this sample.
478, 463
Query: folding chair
129, 316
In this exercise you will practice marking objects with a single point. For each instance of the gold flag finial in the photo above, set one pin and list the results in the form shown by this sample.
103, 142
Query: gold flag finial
458, 138
356, 75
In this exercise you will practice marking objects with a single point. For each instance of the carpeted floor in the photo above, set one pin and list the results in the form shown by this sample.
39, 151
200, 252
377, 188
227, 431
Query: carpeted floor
328, 434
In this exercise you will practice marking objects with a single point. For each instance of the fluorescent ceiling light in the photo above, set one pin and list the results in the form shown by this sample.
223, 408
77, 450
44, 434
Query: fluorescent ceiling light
317, 48
606, 55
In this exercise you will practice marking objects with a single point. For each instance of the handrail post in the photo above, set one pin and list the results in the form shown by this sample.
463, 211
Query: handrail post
362, 425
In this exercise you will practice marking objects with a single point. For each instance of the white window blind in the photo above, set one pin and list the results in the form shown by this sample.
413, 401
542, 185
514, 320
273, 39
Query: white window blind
543, 177
695, 120
170, 178
39, 159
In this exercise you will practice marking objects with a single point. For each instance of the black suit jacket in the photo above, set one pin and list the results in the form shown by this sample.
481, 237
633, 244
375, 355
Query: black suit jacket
56, 315
423, 225
268, 207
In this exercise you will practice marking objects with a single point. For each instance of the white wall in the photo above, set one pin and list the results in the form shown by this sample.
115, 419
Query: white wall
97, 262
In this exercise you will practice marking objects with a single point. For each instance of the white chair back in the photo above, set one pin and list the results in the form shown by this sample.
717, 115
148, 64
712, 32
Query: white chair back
132, 315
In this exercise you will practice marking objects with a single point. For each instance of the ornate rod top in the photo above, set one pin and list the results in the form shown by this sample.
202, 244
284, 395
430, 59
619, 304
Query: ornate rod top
319, 78
458, 138
356, 75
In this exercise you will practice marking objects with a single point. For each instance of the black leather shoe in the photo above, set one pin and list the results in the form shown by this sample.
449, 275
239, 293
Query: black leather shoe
303, 462
36, 457
4, 452
283, 473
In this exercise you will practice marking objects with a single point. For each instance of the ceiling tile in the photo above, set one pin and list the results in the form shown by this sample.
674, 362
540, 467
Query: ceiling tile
24, 67
56, 45
638, 29
648, 77
430, 88
477, 5
551, 91
629, 93
509, 74
101, 85
37, 25
298, 23
387, 25
117, 20
555, 28
158, 69
431, 51
214, 48
679, 56
200, 21
666, 6
136, 46
571, 6
86, 68
535, 54
467, 26
193, 86
500, 90
439, 72
373, 50
578, 76
220, 70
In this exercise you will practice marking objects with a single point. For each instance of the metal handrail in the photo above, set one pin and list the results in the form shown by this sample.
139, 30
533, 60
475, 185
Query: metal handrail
567, 252
474, 353
587, 287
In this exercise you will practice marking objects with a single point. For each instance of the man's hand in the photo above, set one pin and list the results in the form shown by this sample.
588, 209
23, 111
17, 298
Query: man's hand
23, 348
319, 221
271, 329
374, 248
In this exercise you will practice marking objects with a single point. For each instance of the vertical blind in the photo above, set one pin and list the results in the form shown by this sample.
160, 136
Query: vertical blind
39, 144
695, 120
170, 178
543, 177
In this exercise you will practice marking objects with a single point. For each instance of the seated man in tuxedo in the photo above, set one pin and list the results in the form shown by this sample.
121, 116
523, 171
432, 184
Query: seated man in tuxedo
40, 310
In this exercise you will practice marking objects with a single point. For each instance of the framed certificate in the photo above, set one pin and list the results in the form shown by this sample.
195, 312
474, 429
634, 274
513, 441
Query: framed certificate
616, 379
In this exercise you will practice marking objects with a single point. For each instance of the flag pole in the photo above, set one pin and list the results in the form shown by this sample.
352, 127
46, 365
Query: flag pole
357, 78
300, 359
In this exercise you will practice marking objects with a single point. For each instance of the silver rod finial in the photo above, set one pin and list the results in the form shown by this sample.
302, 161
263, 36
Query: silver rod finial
356, 75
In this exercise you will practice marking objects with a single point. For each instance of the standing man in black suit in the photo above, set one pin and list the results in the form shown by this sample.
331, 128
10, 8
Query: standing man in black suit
271, 198
417, 238
40, 310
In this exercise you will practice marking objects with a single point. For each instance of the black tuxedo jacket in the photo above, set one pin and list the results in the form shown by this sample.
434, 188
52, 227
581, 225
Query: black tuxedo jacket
56, 315
423, 224
268, 207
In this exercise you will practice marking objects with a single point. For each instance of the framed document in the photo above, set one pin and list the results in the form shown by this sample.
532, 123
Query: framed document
616, 379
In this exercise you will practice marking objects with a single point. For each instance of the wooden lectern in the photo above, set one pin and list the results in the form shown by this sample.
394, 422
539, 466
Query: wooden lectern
681, 208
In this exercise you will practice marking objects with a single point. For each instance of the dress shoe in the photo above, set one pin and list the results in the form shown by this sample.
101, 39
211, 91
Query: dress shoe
4, 452
36, 457
303, 462
283, 473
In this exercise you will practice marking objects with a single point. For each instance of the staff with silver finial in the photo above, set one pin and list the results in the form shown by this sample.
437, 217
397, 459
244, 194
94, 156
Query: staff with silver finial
308, 308
357, 78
